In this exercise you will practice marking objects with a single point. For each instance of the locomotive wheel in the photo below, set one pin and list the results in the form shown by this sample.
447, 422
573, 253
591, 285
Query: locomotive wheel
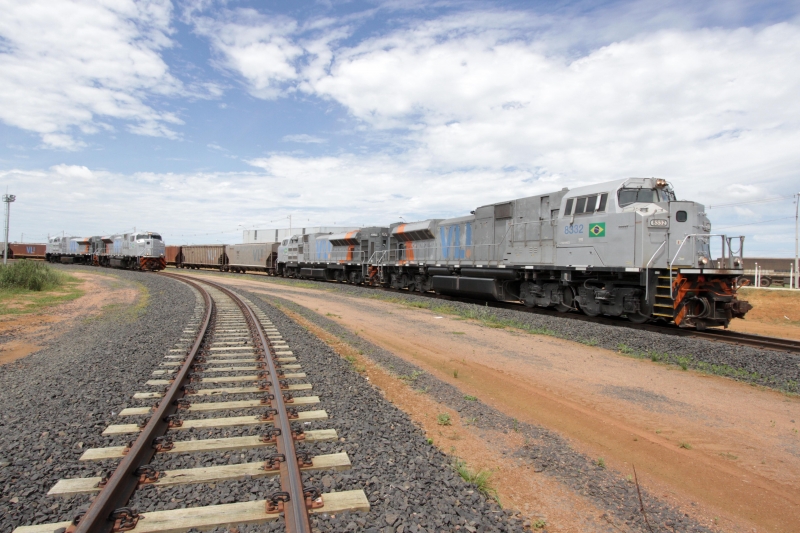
567, 300
638, 318
587, 312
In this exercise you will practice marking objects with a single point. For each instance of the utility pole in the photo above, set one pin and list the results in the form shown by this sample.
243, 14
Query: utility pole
796, 255
7, 199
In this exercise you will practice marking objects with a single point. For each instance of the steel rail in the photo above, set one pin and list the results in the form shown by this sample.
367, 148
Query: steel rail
295, 510
124, 481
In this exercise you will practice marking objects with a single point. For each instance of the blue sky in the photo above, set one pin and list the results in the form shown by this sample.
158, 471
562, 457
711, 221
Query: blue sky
198, 119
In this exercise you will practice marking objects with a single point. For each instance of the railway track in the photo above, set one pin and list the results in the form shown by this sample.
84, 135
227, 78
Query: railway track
230, 350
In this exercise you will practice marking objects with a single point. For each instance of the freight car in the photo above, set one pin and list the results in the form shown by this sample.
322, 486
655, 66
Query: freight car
259, 257
203, 256
622, 248
26, 251
136, 251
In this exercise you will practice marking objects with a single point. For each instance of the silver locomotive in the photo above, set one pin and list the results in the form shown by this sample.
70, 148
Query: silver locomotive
621, 248
136, 251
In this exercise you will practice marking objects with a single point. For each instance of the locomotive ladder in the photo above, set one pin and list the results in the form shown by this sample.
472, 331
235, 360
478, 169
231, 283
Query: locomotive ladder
664, 306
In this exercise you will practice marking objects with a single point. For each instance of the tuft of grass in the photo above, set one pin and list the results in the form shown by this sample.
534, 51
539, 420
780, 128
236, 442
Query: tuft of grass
455, 373
540, 523
443, 419
31, 276
601, 462
429, 441
589, 342
729, 456
685, 445
470, 398
480, 479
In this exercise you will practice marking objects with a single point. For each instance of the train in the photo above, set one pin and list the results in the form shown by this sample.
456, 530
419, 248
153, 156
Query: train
626, 248
135, 251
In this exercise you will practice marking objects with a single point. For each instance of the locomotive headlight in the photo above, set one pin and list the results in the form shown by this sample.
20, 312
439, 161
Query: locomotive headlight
660, 182
702, 260
659, 223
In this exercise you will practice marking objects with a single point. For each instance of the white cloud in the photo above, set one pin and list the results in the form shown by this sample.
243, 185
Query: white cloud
69, 65
714, 110
257, 47
304, 138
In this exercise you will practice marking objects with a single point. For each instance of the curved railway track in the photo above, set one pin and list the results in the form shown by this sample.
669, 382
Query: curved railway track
234, 350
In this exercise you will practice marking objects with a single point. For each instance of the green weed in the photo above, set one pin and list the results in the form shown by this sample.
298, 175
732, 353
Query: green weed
479, 479
601, 462
470, 398
443, 419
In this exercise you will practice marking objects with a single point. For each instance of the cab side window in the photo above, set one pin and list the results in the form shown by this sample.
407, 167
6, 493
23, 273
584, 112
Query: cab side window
586, 204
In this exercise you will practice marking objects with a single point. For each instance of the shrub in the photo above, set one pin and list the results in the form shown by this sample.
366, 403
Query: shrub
30, 275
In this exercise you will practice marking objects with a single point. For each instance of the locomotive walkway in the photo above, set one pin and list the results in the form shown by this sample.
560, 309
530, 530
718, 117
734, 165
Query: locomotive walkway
231, 348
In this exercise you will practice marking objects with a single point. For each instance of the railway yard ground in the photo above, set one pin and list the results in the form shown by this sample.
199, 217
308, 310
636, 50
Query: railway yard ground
441, 407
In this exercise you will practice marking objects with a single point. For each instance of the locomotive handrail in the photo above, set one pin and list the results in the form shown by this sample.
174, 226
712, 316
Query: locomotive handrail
686, 238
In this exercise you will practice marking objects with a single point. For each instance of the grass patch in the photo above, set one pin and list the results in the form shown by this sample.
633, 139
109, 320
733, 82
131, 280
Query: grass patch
412, 377
540, 523
470, 398
30, 276
480, 479
444, 419
27, 286
455, 373
589, 342
601, 462
685, 446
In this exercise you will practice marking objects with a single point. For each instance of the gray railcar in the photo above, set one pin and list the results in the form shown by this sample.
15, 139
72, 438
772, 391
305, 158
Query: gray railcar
259, 257
336, 257
203, 256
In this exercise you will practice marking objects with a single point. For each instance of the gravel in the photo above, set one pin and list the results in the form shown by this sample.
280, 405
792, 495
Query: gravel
769, 368
56, 402
410, 484
546, 451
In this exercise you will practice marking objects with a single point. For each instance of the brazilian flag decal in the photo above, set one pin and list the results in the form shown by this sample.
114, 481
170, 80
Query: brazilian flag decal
597, 230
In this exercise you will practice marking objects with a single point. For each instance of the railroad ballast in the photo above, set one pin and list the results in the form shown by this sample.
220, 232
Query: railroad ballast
621, 248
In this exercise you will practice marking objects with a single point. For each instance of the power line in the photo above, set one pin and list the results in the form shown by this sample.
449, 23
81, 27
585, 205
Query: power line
762, 200
752, 223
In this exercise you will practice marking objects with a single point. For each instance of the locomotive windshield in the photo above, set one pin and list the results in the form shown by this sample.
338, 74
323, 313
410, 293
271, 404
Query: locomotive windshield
647, 196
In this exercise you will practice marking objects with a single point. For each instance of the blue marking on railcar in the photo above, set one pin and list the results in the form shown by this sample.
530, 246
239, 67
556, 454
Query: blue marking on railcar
452, 245
324, 248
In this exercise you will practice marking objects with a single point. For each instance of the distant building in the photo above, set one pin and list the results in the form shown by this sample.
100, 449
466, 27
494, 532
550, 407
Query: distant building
250, 236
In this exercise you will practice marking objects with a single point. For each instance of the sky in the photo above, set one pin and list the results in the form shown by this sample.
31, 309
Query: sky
198, 119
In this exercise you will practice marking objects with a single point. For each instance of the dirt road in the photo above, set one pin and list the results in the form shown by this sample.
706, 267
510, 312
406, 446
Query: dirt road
726, 452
